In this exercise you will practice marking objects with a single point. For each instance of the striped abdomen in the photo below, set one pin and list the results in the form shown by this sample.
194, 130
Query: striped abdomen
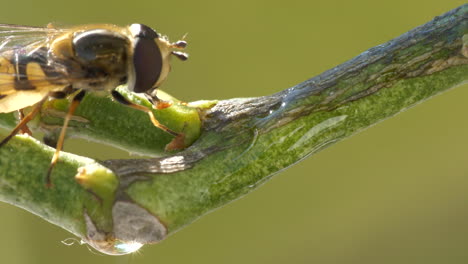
26, 78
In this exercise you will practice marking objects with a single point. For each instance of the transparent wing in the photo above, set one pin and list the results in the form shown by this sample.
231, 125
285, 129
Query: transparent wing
13, 36
18, 40
31, 43
18, 89
21, 87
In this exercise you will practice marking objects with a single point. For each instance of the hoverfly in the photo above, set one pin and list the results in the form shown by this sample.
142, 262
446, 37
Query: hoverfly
38, 63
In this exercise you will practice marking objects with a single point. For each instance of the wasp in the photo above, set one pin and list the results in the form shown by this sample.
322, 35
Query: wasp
40, 63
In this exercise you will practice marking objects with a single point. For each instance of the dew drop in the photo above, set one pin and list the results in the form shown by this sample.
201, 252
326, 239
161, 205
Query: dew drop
127, 248
115, 247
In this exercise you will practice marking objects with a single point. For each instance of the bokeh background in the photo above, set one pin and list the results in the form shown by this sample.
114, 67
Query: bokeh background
395, 193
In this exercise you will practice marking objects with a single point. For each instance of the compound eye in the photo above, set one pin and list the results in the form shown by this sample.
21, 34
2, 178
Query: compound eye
147, 61
143, 31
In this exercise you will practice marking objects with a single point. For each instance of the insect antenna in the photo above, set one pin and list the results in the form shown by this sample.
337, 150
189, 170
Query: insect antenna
180, 55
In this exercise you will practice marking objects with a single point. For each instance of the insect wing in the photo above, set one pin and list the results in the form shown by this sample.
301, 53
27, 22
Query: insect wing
15, 36
24, 84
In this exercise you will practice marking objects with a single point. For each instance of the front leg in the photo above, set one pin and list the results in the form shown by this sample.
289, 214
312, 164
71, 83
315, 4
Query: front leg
176, 143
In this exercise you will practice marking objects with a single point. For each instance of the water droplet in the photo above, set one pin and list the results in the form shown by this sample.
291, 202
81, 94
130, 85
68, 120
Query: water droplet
115, 247
127, 248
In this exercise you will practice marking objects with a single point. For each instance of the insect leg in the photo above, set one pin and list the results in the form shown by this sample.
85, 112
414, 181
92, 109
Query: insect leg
25, 128
24, 121
119, 98
160, 104
156, 102
74, 104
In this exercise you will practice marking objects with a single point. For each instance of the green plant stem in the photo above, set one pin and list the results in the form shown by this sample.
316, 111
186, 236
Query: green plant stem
242, 142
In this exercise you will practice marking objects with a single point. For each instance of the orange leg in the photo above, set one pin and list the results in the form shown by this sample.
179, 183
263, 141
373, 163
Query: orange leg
25, 128
23, 122
74, 104
119, 98
160, 104
178, 142
157, 103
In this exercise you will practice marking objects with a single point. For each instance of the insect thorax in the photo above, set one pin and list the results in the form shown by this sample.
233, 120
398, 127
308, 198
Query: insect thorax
94, 60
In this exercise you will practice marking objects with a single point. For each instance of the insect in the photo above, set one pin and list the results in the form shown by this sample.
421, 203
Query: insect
38, 63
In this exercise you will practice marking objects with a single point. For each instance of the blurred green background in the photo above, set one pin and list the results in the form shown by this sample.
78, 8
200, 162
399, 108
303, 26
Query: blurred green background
395, 193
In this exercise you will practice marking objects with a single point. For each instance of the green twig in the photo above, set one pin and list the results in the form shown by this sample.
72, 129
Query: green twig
240, 143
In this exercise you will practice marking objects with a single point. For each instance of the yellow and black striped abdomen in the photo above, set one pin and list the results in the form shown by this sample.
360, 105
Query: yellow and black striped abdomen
23, 81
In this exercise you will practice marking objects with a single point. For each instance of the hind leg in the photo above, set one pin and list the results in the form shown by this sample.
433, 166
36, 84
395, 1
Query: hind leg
25, 129
21, 126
